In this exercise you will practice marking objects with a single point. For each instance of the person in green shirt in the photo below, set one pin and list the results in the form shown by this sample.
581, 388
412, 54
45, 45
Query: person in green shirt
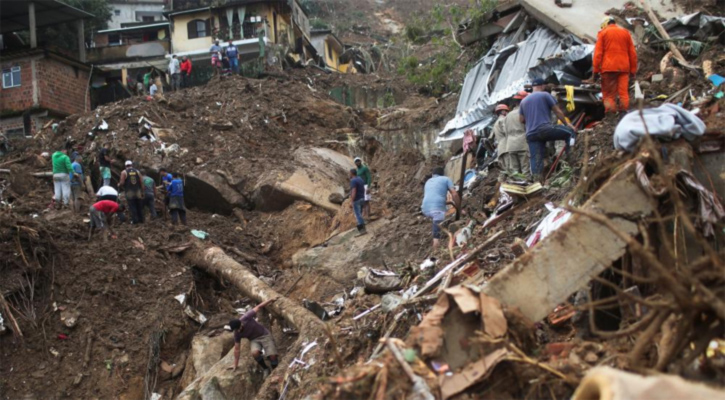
149, 187
62, 175
363, 172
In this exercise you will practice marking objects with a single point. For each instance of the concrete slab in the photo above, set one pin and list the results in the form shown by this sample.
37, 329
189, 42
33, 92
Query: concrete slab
343, 255
583, 18
566, 260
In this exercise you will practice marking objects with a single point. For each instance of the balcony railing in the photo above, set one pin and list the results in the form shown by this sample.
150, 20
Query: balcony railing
128, 51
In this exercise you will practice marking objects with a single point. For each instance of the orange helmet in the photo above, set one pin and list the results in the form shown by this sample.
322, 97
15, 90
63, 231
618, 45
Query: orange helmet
502, 107
521, 95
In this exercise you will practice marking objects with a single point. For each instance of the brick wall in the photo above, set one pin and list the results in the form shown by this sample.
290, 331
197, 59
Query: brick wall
18, 98
37, 121
62, 87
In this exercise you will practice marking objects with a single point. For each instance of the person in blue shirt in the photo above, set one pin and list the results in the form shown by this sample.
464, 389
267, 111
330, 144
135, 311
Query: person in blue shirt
76, 183
176, 200
535, 112
357, 200
233, 56
435, 201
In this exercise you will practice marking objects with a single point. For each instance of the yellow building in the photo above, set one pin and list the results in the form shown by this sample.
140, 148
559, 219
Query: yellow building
330, 50
283, 23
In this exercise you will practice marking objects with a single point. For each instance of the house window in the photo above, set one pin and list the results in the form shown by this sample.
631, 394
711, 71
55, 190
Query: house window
117, 12
198, 28
329, 52
147, 18
114, 39
11, 77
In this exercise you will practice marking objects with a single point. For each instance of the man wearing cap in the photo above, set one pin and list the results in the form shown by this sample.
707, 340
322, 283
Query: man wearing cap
535, 113
364, 173
615, 60
499, 133
131, 182
259, 337
516, 159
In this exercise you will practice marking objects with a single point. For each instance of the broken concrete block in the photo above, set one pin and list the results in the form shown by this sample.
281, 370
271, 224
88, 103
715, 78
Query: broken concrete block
581, 248
657, 78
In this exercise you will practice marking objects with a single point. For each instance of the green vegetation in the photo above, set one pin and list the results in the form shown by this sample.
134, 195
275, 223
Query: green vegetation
435, 77
439, 74
317, 23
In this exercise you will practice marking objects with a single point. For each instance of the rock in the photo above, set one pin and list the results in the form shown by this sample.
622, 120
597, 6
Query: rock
222, 126
199, 160
336, 198
591, 357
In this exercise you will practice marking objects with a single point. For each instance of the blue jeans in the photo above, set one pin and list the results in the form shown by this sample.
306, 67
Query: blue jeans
537, 143
357, 209
234, 65
436, 217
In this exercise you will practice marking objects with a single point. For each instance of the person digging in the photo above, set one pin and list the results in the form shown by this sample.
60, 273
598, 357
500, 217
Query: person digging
259, 337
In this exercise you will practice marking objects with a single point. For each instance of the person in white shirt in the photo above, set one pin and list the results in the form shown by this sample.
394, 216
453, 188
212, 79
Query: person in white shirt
175, 73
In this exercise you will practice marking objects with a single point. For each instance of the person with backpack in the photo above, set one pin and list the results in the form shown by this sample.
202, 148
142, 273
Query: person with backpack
131, 181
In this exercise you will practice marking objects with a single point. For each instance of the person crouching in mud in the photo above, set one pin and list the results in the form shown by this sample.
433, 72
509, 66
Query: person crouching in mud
247, 327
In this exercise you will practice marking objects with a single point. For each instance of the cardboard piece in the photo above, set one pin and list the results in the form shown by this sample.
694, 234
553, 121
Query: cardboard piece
471, 374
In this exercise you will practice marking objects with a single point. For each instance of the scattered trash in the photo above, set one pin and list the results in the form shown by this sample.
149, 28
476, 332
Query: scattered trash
2, 325
556, 218
181, 298
63, 336
54, 352
316, 309
200, 234
155, 396
561, 313
428, 263
378, 281
364, 313
390, 302
195, 315
69, 317
521, 188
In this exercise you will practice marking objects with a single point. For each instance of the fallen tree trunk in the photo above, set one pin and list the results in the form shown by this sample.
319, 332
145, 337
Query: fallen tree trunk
214, 261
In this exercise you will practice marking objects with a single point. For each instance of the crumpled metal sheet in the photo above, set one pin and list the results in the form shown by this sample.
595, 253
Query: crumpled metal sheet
507, 67
698, 26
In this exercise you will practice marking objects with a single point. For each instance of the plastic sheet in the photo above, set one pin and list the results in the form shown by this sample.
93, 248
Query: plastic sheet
698, 26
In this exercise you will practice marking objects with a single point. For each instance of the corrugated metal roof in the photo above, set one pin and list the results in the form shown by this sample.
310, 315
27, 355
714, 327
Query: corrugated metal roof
503, 71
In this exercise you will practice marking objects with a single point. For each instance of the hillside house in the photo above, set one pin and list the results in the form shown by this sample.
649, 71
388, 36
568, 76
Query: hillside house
282, 23
38, 83
330, 51
145, 12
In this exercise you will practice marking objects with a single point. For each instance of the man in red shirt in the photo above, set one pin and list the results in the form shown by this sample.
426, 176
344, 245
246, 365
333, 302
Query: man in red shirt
185, 72
616, 60
100, 214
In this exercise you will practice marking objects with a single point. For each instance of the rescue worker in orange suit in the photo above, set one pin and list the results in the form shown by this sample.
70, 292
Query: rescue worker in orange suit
615, 59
